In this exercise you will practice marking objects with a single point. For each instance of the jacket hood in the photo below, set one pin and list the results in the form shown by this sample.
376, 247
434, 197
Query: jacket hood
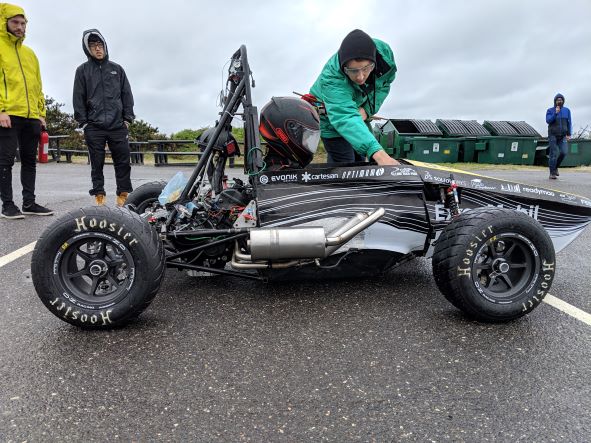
557, 96
357, 45
86, 35
8, 11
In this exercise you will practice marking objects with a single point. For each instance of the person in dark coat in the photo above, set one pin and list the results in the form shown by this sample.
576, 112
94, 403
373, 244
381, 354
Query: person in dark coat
560, 127
103, 108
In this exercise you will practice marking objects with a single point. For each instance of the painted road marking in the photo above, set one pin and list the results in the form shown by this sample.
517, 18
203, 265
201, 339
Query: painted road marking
563, 306
4, 260
555, 302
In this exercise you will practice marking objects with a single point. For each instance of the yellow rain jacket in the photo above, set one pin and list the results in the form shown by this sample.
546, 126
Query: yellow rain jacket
21, 93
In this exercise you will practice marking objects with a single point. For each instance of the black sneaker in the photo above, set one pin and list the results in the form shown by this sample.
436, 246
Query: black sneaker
556, 173
35, 209
11, 212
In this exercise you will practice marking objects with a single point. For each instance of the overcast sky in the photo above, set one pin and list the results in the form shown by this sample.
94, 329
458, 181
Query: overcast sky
483, 60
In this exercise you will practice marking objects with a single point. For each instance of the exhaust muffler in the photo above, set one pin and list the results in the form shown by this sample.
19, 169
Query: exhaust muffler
272, 244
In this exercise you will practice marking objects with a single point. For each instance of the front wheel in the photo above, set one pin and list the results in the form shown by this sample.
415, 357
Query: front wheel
494, 264
98, 267
145, 196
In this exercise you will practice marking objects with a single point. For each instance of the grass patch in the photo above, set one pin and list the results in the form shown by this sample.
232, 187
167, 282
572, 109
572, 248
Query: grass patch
321, 158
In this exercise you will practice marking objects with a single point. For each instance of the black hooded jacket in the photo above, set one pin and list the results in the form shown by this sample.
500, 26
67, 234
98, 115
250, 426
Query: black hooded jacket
102, 95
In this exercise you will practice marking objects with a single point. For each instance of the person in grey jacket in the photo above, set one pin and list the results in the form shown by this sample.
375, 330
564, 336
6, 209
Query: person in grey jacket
103, 107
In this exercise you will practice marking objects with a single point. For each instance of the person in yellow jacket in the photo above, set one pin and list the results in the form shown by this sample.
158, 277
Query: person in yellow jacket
22, 112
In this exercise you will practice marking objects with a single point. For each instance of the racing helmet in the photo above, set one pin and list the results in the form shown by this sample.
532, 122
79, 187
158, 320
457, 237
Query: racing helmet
292, 130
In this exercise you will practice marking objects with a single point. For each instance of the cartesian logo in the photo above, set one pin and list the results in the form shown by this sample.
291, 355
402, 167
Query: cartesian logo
306, 177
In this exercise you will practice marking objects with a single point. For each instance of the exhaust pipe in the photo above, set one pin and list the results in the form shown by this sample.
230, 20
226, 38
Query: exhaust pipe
367, 219
299, 243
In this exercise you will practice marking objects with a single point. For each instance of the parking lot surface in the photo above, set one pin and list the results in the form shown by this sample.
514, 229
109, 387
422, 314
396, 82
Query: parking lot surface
224, 359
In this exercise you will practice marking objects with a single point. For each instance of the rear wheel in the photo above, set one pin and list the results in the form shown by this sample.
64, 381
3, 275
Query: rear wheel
494, 264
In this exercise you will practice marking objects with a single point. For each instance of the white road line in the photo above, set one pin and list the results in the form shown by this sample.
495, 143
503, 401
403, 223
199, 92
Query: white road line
4, 260
563, 306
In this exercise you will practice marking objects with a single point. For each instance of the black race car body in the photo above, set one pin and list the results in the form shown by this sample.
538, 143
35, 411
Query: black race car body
323, 195
492, 242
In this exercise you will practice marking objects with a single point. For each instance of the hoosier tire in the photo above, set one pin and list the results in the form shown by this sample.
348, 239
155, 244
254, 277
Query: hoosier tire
98, 267
494, 264
144, 196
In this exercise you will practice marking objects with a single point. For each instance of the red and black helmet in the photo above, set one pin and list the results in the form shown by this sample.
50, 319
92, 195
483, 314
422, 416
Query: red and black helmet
291, 128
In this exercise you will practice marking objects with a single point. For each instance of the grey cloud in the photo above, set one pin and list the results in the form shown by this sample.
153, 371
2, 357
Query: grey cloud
457, 59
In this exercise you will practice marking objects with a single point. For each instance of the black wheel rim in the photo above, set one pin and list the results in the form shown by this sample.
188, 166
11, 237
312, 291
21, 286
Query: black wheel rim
505, 266
96, 269
141, 208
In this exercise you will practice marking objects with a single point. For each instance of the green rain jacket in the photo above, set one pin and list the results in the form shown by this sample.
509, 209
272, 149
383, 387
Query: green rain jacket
343, 98
21, 92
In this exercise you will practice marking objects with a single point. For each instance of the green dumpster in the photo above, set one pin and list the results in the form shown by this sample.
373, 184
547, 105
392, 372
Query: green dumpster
508, 144
578, 154
432, 149
422, 140
467, 133
389, 139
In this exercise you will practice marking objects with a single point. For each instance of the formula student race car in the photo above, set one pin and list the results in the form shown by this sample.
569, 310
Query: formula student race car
492, 242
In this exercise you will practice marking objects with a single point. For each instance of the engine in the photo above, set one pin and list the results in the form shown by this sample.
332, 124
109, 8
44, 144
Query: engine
206, 211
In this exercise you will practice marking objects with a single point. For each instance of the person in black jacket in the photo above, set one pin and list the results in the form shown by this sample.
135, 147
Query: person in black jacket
103, 107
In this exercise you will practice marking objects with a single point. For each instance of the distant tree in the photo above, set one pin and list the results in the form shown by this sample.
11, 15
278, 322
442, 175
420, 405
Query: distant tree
61, 123
583, 132
143, 131
187, 134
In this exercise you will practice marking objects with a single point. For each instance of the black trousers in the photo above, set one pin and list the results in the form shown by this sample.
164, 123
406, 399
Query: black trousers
118, 140
23, 134
339, 150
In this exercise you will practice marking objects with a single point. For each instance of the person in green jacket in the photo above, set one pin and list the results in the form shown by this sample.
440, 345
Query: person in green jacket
352, 86
22, 112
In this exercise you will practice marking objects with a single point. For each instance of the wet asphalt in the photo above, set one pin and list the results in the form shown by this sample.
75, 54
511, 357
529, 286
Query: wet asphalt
224, 359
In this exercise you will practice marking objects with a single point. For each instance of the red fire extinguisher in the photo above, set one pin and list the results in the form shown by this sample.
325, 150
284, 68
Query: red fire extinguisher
43, 152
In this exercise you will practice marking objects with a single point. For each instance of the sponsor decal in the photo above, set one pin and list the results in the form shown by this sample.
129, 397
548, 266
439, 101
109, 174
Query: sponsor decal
538, 191
102, 318
396, 171
474, 243
442, 213
444, 180
567, 197
282, 178
586, 202
306, 177
507, 187
363, 173
84, 223
546, 281
478, 184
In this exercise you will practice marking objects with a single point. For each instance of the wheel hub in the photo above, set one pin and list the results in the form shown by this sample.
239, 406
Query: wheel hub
501, 266
98, 268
